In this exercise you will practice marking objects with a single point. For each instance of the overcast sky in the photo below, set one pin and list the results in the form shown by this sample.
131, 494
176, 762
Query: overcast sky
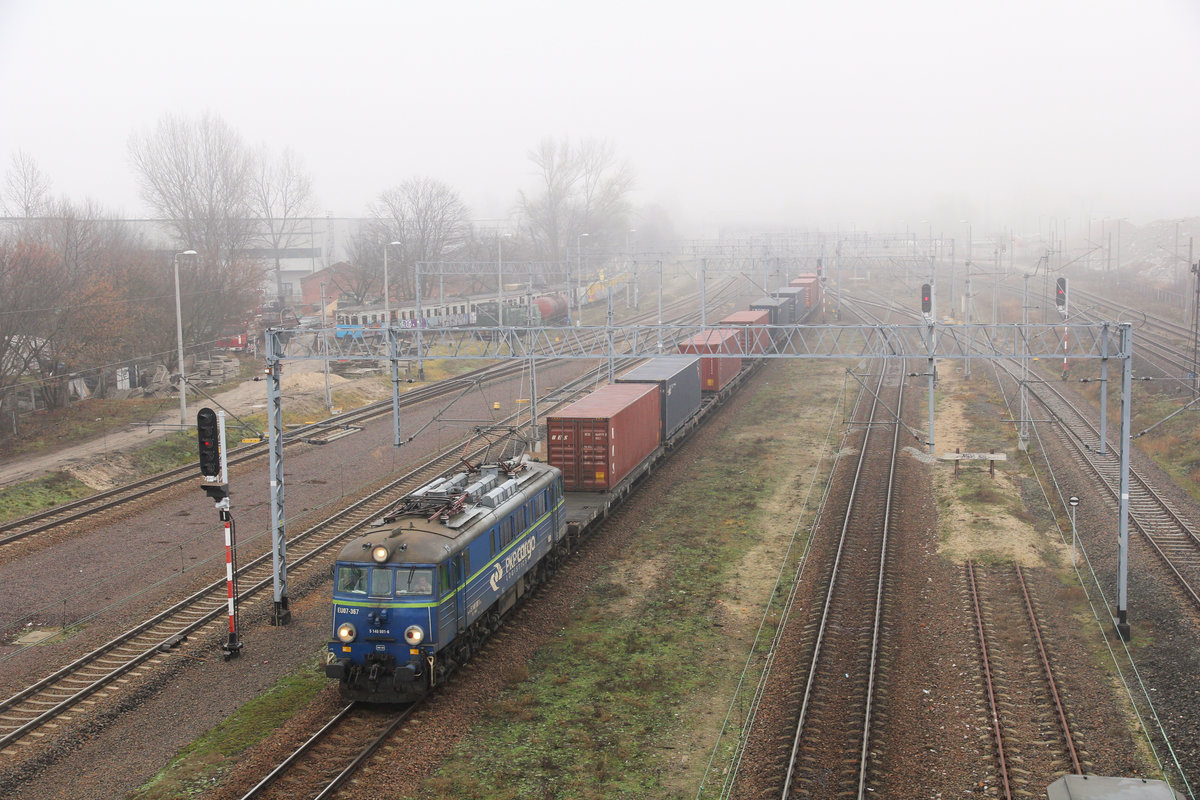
868, 113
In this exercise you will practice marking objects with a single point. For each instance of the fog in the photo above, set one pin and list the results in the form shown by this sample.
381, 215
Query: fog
869, 114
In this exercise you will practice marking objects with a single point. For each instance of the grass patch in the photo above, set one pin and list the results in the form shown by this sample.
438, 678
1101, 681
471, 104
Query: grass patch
39, 494
30, 497
199, 766
166, 453
81, 421
613, 705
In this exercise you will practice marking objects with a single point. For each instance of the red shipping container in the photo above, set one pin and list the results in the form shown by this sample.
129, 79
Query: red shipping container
812, 286
715, 373
600, 439
757, 338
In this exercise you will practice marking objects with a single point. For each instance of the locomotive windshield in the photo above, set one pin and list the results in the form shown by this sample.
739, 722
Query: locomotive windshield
381, 582
377, 581
352, 580
414, 581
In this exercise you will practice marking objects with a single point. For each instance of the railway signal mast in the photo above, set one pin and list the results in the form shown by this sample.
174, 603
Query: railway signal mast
928, 314
210, 435
1060, 301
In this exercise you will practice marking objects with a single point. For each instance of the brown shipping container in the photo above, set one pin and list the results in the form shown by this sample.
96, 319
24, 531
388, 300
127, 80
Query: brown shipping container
715, 373
812, 286
598, 440
757, 338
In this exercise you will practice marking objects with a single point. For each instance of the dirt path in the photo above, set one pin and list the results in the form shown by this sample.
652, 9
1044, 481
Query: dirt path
248, 398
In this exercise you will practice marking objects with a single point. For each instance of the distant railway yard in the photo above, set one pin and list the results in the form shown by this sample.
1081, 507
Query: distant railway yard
785, 594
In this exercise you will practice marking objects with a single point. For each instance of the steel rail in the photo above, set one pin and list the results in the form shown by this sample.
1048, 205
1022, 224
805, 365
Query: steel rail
1059, 710
213, 595
66, 513
217, 591
1146, 502
989, 683
826, 612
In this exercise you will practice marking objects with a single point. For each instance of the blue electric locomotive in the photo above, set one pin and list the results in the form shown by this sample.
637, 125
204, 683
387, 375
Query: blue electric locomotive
415, 598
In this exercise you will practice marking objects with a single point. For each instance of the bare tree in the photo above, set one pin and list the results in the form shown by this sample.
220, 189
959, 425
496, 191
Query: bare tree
583, 189
26, 188
363, 277
32, 282
281, 195
604, 185
548, 215
103, 267
427, 218
196, 173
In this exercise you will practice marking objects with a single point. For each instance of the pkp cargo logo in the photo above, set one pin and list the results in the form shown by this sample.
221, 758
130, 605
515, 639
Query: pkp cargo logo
512, 561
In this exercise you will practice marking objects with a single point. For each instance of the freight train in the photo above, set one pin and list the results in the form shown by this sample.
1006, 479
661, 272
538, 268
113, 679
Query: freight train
414, 598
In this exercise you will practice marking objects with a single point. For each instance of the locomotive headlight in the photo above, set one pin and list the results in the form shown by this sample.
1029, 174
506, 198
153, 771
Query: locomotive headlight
413, 635
379, 553
346, 632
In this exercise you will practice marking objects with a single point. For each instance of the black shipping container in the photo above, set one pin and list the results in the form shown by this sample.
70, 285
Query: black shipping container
679, 388
777, 306
790, 311
797, 293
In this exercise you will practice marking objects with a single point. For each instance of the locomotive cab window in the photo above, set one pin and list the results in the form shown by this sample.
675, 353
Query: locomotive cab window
352, 580
414, 581
381, 582
449, 572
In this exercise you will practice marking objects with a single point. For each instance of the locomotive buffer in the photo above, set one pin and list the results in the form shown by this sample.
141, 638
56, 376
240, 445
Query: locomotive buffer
210, 435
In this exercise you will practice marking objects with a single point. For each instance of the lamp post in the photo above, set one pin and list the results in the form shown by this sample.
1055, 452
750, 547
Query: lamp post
572, 291
628, 257
387, 307
500, 278
179, 335
970, 252
1074, 501
325, 351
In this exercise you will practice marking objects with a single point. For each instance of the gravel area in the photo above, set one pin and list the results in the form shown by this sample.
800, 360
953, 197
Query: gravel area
101, 579
936, 741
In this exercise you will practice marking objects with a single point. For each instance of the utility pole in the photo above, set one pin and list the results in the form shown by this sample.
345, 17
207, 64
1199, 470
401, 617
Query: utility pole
1023, 437
1195, 268
325, 351
969, 301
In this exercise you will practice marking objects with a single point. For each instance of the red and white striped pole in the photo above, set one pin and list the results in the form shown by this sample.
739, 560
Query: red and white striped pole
233, 647
219, 492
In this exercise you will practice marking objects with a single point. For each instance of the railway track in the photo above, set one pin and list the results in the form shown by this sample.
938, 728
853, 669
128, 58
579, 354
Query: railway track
1031, 749
317, 768
107, 501
815, 709
1160, 523
56, 695
316, 433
